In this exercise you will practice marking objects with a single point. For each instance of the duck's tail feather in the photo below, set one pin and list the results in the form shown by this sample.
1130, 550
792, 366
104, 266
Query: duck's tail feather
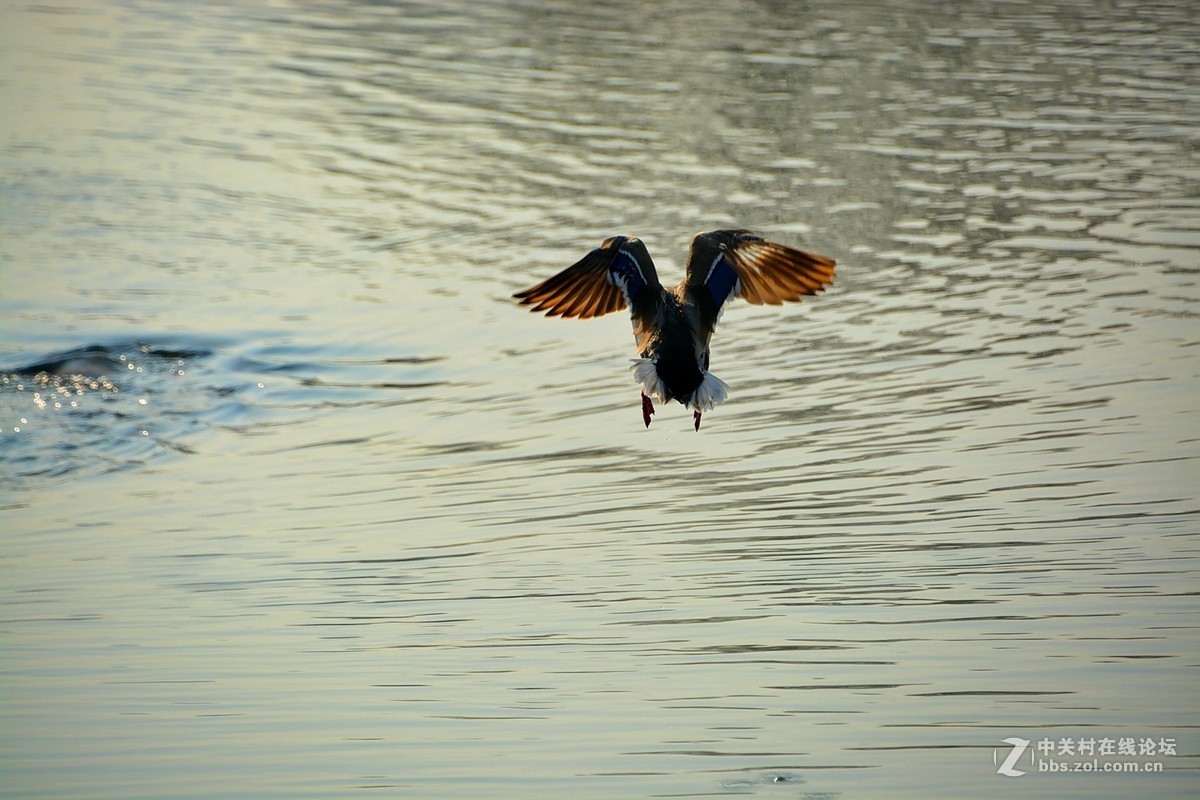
645, 372
711, 392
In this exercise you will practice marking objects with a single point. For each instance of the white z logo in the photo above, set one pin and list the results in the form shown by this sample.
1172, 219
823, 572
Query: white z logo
1018, 747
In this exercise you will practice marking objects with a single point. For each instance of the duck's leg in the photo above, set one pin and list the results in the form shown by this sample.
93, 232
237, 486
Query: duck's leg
647, 409
696, 419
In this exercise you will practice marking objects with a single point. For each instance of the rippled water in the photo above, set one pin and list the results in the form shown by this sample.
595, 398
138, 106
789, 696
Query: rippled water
297, 503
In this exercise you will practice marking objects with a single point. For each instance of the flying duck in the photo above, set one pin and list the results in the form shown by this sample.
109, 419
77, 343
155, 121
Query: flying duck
672, 326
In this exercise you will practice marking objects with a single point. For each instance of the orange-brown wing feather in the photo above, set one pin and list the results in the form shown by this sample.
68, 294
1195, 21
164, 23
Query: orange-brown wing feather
581, 290
770, 273
616, 273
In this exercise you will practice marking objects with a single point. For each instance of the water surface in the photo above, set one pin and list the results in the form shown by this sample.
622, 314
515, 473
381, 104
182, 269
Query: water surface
297, 503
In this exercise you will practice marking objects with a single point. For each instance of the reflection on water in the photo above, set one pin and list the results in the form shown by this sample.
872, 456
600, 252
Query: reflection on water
296, 503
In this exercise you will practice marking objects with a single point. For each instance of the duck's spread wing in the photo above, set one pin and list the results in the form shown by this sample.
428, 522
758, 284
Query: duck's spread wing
616, 274
733, 263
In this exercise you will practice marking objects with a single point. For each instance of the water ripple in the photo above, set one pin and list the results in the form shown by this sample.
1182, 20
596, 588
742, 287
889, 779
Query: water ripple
332, 474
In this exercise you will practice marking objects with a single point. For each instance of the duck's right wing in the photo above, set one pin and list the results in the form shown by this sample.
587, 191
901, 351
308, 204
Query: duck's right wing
737, 263
616, 274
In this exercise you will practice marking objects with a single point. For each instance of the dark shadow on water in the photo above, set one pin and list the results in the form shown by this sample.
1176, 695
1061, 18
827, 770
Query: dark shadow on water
107, 406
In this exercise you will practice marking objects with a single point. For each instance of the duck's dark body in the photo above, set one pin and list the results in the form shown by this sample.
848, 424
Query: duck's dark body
672, 326
671, 344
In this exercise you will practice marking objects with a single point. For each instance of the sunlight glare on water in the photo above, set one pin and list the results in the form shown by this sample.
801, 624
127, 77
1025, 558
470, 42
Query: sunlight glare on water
296, 502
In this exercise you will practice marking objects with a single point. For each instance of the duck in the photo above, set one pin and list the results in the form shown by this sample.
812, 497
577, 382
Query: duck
672, 326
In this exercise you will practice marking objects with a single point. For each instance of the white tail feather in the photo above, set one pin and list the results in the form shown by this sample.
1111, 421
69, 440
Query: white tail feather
711, 392
646, 373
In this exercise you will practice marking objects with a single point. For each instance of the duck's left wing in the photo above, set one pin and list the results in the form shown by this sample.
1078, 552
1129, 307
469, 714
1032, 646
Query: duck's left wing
735, 263
616, 274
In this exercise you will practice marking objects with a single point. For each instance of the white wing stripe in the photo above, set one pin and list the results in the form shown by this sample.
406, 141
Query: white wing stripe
636, 263
712, 267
